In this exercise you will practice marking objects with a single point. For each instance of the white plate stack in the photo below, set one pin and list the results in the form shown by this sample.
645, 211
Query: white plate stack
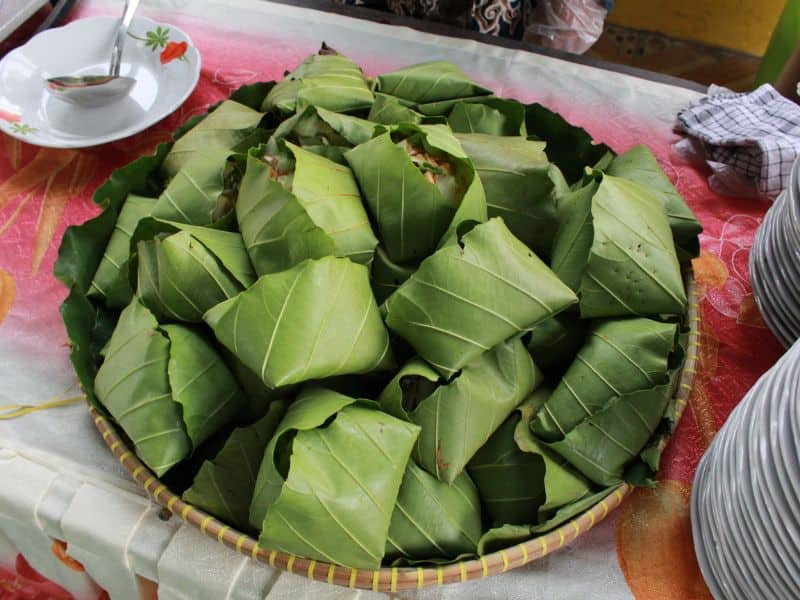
745, 506
775, 263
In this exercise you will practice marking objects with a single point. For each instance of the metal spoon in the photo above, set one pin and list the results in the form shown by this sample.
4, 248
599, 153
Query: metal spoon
97, 90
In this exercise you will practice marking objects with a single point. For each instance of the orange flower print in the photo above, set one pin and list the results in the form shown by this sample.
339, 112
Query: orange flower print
9, 117
8, 291
172, 51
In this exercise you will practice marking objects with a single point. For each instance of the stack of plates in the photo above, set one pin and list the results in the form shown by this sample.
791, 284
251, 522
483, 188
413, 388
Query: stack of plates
745, 506
775, 263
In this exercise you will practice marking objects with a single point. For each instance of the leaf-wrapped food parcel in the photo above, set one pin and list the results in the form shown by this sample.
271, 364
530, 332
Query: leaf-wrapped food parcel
419, 185
615, 248
471, 295
639, 165
491, 116
458, 417
520, 481
330, 478
204, 191
618, 357
224, 485
429, 82
166, 386
520, 185
318, 319
389, 110
329, 81
298, 205
224, 128
111, 281
432, 519
184, 270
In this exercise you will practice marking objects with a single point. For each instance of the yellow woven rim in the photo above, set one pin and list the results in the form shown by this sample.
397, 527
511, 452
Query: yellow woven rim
394, 579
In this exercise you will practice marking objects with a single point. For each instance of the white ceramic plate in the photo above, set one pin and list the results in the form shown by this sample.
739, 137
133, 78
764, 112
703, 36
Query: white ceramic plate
29, 112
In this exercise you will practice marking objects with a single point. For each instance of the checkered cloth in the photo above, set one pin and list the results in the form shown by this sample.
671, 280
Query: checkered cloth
757, 133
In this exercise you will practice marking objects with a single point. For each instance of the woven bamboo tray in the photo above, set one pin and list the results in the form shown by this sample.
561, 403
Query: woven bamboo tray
392, 579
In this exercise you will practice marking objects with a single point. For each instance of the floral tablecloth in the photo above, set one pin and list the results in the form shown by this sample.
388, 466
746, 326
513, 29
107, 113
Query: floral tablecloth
68, 513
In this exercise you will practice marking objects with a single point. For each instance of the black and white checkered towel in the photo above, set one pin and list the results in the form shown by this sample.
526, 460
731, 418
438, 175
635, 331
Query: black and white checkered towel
756, 133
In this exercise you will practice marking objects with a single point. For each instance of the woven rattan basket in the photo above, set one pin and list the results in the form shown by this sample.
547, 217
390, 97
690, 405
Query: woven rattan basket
391, 579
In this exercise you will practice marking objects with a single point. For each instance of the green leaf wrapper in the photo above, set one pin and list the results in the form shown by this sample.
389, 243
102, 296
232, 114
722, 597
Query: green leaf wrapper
429, 82
329, 81
224, 128
521, 186
203, 192
111, 281
387, 276
191, 269
330, 478
639, 165
458, 417
169, 390
224, 485
490, 116
414, 211
555, 342
319, 127
614, 247
469, 296
432, 519
619, 356
317, 212
282, 330
389, 110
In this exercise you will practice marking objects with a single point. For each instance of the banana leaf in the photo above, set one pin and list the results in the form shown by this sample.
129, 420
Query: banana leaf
620, 356
459, 416
389, 110
417, 189
429, 82
329, 81
259, 397
471, 295
639, 165
203, 192
520, 184
555, 342
506, 536
183, 274
224, 485
602, 445
312, 211
110, 281
631, 267
330, 478
223, 128
319, 127
492, 116
280, 329
519, 480
432, 519
387, 276
570, 147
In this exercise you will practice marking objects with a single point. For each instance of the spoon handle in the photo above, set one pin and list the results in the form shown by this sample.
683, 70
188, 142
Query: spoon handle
122, 32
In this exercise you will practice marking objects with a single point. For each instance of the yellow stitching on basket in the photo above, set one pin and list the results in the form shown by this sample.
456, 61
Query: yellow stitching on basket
241, 539
136, 472
290, 563
690, 370
375, 575
331, 573
485, 567
543, 543
353, 574
560, 538
393, 584
591, 519
204, 523
619, 495
148, 482
185, 512
125, 456
420, 578
221, 533
504, 556
171, 502
604, 504
114, 445
310, 571
524, 553
463, 570
577, 529
106, 434
158, 491
439, 576
272, 556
